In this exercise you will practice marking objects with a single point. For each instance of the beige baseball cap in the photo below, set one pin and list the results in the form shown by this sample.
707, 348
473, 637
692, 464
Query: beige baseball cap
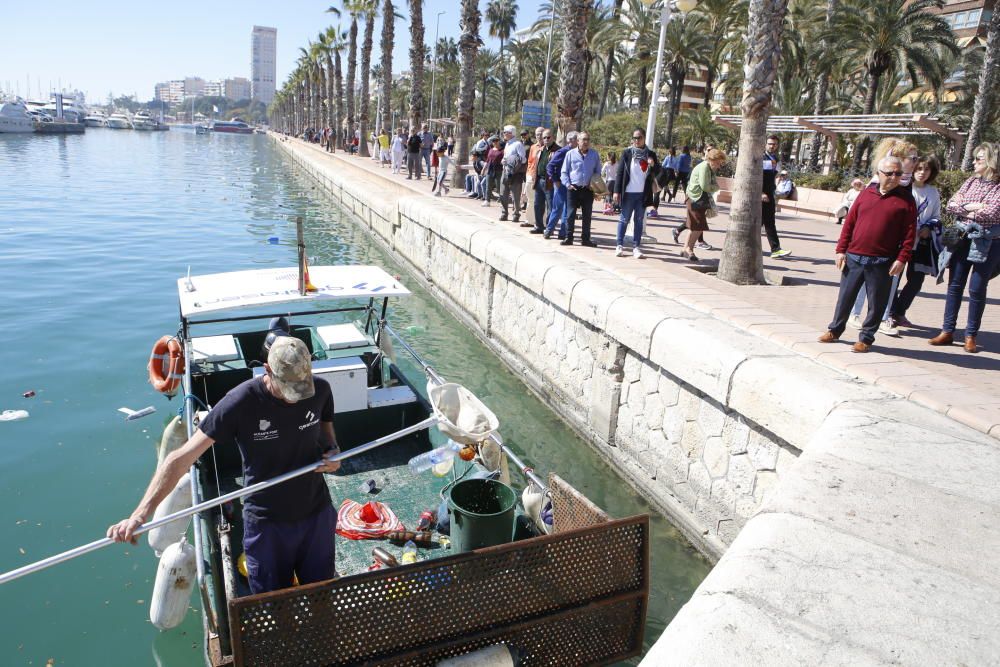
291, 368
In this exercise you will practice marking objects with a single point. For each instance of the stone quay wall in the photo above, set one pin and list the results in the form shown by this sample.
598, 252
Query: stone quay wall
684, 406
858, 528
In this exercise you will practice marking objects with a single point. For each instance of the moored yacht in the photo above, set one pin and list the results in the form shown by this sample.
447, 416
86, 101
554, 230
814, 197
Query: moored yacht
14, 118
234, 126
142, 120
119, 121
95, 119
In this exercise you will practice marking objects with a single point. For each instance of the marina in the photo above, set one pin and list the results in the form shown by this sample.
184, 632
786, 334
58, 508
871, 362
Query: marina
258, 196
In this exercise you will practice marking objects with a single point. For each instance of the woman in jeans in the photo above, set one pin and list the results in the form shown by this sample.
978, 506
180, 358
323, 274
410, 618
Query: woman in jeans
977, 201
927, 246
699, 191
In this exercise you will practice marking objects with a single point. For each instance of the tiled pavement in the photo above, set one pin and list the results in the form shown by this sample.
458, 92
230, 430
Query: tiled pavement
949, 380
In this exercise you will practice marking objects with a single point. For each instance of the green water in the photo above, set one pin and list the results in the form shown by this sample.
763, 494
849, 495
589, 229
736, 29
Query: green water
94, 231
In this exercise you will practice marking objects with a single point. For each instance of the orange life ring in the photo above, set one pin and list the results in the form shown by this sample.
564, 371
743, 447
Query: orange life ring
166, 365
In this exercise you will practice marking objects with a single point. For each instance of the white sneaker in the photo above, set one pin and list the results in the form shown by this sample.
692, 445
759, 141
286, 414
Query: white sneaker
703, 245
619, 251
485, 204
854, 321
636, 253
888, 328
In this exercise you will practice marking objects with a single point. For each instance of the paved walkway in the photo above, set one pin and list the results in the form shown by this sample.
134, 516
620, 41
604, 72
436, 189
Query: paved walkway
964, 386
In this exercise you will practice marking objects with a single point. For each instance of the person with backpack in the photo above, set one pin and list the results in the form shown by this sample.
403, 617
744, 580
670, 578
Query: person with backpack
515, 169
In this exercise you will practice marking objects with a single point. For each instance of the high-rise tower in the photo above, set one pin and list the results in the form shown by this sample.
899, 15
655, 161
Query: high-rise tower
263, 55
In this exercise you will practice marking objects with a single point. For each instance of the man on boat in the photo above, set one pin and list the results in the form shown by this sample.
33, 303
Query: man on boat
281, 421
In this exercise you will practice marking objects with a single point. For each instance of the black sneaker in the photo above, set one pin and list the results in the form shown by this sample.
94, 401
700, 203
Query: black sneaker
677, 236
547, 235
566, 242
588, 243
536, 230
502, 218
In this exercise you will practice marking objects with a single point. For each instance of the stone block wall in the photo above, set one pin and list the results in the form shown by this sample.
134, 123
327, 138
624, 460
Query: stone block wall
704, 437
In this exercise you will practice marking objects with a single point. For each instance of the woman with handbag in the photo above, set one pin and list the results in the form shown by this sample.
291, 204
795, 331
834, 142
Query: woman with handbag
975, 258
701, 186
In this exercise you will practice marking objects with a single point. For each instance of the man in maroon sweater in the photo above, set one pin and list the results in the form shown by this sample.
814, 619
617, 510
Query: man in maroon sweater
874, 246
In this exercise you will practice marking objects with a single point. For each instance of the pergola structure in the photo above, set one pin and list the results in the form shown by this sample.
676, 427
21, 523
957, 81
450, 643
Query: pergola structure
831, 127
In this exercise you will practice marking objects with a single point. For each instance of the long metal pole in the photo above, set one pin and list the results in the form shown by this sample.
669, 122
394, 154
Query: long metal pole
434, 71
208, 504
548, 64
655, 97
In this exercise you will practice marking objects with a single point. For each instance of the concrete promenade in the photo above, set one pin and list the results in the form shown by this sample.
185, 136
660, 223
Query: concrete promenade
964, 386
854, 522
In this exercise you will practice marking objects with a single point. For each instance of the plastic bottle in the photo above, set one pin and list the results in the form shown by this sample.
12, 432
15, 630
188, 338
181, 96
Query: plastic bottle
409, 553
441, 459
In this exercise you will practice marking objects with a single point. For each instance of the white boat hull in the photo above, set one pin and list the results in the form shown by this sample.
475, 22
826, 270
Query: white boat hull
16, 125
116, 124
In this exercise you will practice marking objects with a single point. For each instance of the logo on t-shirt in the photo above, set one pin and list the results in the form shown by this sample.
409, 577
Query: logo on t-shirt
311, 420
264, 424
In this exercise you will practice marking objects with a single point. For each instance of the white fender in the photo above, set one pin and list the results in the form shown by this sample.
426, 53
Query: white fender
497, 655
174, 435
179, 499
533, 499
175, 579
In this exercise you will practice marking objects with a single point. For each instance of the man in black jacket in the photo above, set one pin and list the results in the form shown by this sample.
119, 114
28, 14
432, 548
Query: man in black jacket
413, 145
770, 164
634, 189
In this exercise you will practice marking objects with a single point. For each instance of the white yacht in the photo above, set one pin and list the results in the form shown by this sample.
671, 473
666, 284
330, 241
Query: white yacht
142, 120
70, 112
95, 119
14, 118
119, 121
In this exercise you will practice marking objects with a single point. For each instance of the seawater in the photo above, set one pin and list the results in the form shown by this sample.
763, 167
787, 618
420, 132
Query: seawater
95, 230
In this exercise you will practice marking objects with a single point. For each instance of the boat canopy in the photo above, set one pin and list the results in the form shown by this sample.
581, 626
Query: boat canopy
241, 290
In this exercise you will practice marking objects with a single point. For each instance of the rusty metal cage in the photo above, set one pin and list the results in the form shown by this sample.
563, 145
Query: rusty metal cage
576, 597
570, 508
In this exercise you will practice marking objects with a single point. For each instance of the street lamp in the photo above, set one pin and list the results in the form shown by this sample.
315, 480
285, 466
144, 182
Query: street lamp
435, 70
548, 62
669, 7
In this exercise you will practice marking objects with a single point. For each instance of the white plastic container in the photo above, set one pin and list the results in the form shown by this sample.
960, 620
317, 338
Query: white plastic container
175, 579
179, 499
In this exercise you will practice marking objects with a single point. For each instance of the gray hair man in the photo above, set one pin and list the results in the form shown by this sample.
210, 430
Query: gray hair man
559, 192
875, 244
515, 169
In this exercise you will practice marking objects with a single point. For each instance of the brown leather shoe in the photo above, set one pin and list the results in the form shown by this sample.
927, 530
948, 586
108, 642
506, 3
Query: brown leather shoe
861, 347
970, 344
942, 338
828, 337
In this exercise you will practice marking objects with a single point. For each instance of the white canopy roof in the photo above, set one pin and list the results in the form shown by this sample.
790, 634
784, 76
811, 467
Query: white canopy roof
241, 290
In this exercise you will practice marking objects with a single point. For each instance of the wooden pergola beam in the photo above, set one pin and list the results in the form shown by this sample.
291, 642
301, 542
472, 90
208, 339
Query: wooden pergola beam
809, 125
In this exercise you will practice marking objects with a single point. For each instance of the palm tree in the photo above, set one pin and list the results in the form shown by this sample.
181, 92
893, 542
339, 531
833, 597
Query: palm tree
502, 17
723, 18
575, 15
741, 261
987, 79
468, 45
486, 62
417, 50
389, 17
368, 9
892, 37
695, 127
614, 26
688, 44
337, 41
822, 81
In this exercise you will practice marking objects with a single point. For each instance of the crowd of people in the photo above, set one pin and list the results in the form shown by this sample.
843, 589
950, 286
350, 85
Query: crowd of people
894, 229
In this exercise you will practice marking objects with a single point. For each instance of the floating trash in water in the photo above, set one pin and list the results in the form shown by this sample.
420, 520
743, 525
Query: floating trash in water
415, 329
273, 240
137, 414
29, 394
13, 415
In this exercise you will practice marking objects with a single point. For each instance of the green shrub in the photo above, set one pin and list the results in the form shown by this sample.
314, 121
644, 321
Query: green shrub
614, 131
948, 183
830, 182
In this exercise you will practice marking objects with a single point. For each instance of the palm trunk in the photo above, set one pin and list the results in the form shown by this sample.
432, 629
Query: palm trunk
388, 37
338, 83
643, 100
468, 45
987, 79
352, 71
822, 85
416, 62
366, 68
678, 76
709, 80
503, 82
572, 65
874, 77
741, 261
331, 97
482, 108
606, 89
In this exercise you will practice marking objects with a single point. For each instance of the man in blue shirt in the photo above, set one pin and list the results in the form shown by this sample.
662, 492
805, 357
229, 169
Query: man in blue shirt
581, 165
682, 169
554, 171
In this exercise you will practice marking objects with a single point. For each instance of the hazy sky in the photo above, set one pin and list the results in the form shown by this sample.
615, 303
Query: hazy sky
126, 47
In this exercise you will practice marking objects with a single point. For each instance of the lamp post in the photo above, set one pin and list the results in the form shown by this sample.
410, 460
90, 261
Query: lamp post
435, 70
548, 62
669, 7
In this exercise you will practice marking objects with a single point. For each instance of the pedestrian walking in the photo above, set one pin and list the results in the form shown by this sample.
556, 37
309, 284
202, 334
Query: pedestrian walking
383, 147
609, 170
515, 167
926, 251
768, 199
682, 167
554, 171
976, 258
413, 145
494, 169
701, 185
634, 190
398, 149
426, 145
441, 180
451, 145
875, 243
579, 168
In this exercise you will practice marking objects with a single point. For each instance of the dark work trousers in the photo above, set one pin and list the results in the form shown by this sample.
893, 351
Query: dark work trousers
583, 199
671, 177
877, 283
543, 200
278, 550
682, 182
767, 220
905, 296
512, 186
413, 165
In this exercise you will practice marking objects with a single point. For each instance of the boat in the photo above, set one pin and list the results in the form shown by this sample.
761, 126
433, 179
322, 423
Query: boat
234, 126
15, 119
71, 113
572, 591
95, 119
202, 129
143, 121
119, 121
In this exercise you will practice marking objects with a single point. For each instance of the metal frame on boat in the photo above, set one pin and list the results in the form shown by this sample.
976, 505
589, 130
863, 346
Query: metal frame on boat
575, 596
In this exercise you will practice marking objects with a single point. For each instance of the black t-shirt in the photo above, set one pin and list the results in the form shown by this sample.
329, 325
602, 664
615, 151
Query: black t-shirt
275, 437
413, 144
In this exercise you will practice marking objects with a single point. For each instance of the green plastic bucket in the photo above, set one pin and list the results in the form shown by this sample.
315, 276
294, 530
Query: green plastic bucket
482, 514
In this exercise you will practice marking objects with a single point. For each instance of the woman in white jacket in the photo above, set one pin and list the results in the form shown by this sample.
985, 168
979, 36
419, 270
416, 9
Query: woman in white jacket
857, 185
